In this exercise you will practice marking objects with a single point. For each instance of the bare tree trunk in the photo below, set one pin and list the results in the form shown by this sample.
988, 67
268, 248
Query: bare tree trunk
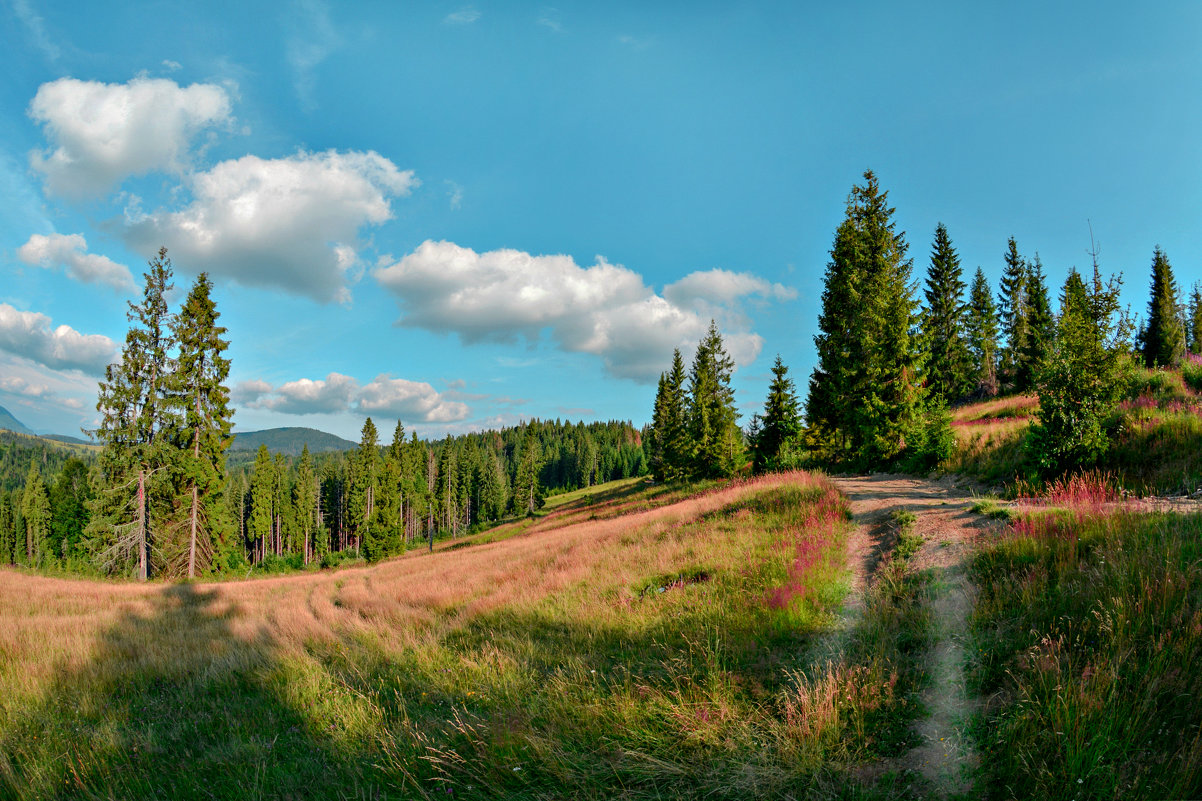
192, 534
143, 568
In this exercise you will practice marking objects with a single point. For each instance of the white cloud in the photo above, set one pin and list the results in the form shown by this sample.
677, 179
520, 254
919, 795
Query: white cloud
723, 286
413, 401
28, 334
291, 223
171, 65
606, 310
101, 133
464, 16
409, 400
70, 252
19, 386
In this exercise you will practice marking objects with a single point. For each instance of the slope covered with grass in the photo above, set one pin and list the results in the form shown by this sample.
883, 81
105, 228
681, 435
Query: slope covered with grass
649, 644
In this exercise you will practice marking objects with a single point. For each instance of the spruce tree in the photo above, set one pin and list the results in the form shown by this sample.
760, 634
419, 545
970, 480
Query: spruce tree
362, 491
947, 364
305, 495
1040, 327
1079, 385
864, 395
1164, 338
8, 532
781, 423
981, 332
132, 400
262, 492
35, 509
1012, 314
527, 492
1194, 320
712, 419
200, 402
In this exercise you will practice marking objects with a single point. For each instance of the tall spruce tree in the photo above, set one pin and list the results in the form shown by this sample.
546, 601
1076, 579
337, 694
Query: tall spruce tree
981, 332
947, 364
35, 509
1040, 327
202, 417
1193, 321
132, 400
1164, 337
1012, 314
864, 393
305, 498
781, 423
8, 530
361, 498
262, 498
712, 419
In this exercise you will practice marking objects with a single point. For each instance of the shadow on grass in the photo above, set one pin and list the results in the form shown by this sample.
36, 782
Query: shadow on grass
175, 705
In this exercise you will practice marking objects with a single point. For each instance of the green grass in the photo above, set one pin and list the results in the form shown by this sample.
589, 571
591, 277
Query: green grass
1088, 638
709, 688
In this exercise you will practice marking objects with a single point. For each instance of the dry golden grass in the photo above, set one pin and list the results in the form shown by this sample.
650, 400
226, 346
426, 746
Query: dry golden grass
47, 624
1012, 406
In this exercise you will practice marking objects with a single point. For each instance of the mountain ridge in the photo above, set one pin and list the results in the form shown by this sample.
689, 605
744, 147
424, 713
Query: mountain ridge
290, 440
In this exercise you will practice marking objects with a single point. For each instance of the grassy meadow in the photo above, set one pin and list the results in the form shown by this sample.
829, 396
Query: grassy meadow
647, 642
1087, 646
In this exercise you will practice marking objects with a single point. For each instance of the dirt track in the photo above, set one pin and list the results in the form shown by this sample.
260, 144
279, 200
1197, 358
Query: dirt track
949, 530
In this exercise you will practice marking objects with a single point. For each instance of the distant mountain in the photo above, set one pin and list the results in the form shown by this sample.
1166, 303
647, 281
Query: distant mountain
290, 441
67, 439
11, 423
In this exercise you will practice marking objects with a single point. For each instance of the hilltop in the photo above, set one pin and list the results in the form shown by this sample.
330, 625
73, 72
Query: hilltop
289, 441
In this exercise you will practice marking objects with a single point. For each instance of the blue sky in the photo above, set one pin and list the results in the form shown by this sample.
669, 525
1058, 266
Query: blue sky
463, 215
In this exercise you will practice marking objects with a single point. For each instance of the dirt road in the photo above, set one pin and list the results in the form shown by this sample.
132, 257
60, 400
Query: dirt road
949, 531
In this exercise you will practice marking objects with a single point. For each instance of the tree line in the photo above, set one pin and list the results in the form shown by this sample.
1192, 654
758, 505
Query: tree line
160, 500
890, 365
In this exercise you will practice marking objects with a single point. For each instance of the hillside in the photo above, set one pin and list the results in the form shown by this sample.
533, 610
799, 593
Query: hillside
289, 441
10, 423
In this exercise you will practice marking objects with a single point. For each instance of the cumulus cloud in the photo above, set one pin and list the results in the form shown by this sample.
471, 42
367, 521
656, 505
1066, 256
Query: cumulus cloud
29, 335
606, 309
409, 400
413, 401
290, 223
19, 386
71, 253
100, 133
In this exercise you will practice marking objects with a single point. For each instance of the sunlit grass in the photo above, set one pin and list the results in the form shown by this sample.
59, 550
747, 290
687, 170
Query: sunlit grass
656, 651
1088, 635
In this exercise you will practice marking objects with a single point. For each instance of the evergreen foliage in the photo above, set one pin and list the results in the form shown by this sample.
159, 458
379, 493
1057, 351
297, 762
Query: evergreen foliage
201, 415
1079, 385
774, 435
712, 420
981, 333
947, 363
1194, 320
35, 511
669, 437
1012, 315
1163, 341
134, 498
864, 394
1040, 328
